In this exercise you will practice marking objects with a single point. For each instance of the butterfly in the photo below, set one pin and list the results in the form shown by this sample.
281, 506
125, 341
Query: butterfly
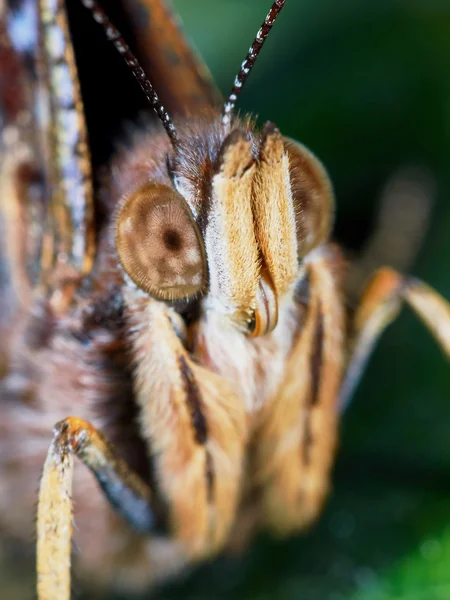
188, 310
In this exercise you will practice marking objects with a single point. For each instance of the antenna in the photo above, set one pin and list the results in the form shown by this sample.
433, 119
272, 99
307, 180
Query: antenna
113, 35
250, 59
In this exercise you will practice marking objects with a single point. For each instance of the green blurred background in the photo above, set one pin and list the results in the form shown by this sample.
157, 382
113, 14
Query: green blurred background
366, 85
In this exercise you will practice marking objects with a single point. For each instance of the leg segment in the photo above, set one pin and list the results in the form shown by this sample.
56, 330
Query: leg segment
380, 304
195, 426
402, 222
296, 438
129, 495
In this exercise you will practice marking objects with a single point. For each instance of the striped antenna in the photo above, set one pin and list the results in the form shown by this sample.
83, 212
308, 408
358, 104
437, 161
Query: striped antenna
113, 35
250, 59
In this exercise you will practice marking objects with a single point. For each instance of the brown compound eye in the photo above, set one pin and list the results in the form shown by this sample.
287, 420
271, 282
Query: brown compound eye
159, 244
312, 195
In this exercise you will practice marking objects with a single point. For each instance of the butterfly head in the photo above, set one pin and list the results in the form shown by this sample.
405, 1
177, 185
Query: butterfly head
225, 218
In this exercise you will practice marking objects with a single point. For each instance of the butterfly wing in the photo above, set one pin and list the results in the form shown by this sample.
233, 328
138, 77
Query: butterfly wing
45, 172
180, 77
22, 205
46, 200
70, 247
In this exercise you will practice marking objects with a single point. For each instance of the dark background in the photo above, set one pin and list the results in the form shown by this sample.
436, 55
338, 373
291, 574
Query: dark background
366, 85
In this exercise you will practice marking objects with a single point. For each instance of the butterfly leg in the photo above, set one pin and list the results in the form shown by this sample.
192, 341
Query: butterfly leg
128, 494
195, 427
403, 216
296, 437
379, 306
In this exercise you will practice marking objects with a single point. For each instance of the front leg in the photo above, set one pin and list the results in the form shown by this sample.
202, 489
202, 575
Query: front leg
296, 438
194, 425
129, 495
380, 304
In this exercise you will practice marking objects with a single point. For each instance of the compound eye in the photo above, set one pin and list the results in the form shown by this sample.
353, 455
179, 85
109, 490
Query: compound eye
159, 244
312, 195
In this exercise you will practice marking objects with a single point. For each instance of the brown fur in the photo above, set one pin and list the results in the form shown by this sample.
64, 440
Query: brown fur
296, 432
274, 214
312, 195
181, 459
235, 265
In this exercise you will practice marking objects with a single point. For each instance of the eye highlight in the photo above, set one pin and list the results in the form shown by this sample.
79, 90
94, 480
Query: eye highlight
159, 244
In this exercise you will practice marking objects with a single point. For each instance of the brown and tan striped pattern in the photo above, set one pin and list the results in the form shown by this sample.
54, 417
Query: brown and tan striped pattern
194, 425
70, 241
297, 431
274, 213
